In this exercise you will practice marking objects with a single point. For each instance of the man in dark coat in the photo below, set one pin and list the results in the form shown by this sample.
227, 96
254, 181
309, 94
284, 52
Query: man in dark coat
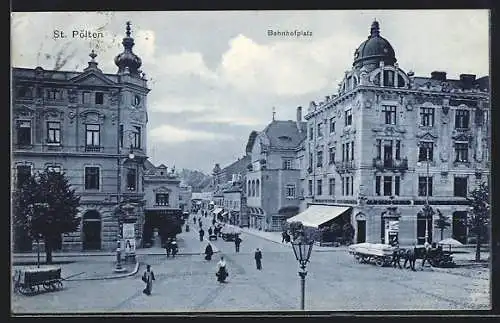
194, 220
258, 259
148, 278
237, 242
202, 233
213, 221
210, 231
208, 252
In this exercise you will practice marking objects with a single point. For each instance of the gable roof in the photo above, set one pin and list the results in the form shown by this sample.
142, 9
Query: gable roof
148, 165
285, 134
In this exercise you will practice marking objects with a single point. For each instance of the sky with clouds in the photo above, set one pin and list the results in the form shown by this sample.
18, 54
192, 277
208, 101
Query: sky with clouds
216, 76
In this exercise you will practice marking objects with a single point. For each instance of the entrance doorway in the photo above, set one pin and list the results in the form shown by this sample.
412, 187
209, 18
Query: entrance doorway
91, 230
459, 226
168, 223
361, 236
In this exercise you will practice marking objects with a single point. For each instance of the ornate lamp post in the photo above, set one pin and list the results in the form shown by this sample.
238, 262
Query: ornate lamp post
119, 267
427, 211
302, 248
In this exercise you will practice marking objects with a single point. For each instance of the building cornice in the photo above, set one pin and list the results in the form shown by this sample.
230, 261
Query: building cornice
398, 91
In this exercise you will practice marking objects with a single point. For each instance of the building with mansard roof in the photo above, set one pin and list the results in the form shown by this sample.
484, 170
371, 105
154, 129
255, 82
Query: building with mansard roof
91, 125
272, 179
389, 142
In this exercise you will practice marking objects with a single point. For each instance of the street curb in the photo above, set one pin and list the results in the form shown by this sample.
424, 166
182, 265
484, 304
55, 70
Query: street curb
289, 245
136, 269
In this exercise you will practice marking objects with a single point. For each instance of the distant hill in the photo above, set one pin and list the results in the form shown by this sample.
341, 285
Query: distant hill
196, 179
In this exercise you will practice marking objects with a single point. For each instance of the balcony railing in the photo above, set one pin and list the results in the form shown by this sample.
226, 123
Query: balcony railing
391, 164
344, 166
93, 148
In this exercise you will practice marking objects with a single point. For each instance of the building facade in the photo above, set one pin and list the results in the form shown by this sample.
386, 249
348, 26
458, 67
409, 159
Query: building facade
272, 180
90, 125
185, 195
389, 141
162, 209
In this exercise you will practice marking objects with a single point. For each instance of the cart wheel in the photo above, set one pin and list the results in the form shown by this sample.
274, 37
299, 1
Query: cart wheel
47, 286
59, 284
379, 262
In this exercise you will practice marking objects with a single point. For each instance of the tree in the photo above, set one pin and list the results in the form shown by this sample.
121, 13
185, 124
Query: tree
442, 223
478, 217
47, 207
25, 200
296, 228
348, 233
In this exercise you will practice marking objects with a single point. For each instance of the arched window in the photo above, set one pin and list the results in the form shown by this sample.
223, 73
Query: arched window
401, 81
354, 82
253, 188
388, 78
249, 191
257, 186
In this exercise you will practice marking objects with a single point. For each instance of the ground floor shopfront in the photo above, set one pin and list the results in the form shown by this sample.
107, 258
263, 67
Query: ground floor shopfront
406, 224
390, 223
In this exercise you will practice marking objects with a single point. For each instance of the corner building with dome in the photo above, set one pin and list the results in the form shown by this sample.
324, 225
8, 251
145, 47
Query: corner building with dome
389, 141
91, 125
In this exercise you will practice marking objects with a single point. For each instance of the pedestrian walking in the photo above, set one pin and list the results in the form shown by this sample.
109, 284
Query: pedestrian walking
194, 220
283, 236
208, 252
202, 233
237, 242
213, 221
258, 259
411, 256
427, 254
148, 278
210, 231
199, 223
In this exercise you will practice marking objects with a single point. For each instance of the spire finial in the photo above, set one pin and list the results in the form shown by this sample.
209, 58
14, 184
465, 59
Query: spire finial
375, 29
128, 29
93, 55
274, 112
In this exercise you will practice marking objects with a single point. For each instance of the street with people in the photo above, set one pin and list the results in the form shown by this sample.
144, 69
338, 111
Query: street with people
188, 282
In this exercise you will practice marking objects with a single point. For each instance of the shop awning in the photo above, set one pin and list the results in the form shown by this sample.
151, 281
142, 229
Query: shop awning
217, 210
256, 211
316, 215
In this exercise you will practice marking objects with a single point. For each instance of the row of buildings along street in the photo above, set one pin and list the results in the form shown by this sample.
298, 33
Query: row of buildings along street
371, 155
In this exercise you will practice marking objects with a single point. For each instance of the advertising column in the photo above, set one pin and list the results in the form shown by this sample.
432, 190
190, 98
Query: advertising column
129, 239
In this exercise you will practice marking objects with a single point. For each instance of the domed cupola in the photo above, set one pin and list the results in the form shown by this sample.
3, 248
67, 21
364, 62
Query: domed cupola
374, 50
127, 58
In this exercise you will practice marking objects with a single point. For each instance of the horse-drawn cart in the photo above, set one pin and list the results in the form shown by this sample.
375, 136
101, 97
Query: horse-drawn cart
375, 253
29, 281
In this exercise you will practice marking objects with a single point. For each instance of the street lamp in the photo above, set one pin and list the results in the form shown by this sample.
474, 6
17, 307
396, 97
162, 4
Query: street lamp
302, 249
427, 211
119, 267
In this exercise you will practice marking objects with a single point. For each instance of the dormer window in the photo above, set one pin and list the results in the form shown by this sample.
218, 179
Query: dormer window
285, 138
388, 78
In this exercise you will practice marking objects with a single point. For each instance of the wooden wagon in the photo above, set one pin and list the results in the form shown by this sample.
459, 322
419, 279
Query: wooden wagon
30, 281
374, 253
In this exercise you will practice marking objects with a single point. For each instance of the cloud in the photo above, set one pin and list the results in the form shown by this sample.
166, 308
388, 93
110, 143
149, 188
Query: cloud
238, 120
285, 68
168, 133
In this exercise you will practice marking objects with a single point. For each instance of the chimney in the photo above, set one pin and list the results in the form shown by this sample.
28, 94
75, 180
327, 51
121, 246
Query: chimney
467, 80
440, 76
299, 118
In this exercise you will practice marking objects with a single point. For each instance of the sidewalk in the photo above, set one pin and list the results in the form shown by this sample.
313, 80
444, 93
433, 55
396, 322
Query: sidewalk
276, 238
101, 264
